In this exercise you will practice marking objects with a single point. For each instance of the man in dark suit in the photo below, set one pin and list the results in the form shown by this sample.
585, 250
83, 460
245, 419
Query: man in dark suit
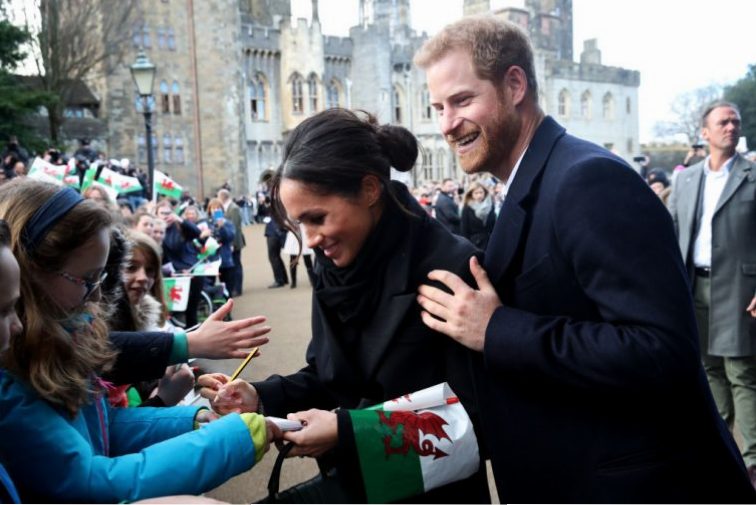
713, 206
447, 210
591, 388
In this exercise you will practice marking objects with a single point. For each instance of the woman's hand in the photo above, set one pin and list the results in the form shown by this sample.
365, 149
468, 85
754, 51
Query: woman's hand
175, 384
319, 435
219, 339
226, 397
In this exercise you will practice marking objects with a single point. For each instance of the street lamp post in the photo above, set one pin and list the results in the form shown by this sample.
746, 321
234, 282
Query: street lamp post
143, 73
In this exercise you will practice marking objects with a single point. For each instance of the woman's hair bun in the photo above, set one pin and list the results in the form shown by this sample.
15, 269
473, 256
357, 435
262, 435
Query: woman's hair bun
399, 145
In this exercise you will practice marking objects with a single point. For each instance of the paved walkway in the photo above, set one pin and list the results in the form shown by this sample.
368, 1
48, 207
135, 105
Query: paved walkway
288, 313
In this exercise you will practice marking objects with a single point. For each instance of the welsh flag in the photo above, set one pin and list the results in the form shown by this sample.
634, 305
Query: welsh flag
209, 248
119, 182
164, 185
72, 181
176, 292
212, 268
424, 440
44, 171
89, 177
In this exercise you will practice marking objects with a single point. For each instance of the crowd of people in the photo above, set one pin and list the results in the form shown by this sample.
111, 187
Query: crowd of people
582, 324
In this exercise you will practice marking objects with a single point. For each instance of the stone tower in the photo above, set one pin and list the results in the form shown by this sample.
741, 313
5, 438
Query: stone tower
474, 7
551, 26
391, 14
266, 12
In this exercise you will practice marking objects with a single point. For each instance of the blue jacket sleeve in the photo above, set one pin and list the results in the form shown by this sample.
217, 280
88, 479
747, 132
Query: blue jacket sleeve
131, 430
53, 459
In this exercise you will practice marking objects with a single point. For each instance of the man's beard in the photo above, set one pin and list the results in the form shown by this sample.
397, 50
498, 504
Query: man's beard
497, 140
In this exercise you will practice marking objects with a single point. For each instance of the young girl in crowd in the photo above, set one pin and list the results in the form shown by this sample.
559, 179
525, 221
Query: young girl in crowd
61, 442
141, 308
9, 325
478, 215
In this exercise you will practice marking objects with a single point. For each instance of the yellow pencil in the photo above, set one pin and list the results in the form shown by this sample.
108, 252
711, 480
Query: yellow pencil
243, 364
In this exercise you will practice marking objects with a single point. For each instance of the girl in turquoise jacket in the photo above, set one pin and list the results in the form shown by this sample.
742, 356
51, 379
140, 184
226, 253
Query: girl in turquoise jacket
61, 442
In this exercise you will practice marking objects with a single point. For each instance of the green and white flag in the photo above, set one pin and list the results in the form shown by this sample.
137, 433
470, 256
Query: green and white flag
89, 176
209, 248
176, 292
119, 182
164, 185
72, 181
44, 171
405, 452
212, 268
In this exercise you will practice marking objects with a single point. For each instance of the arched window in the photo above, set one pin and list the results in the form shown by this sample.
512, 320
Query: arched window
628, 109
165, 98
297, 98
585, 105
397, 97
160, 37
312, 92
155, 147
171, 39
333, 94
443, 170
141, 149
564, 103
146, 43
136, 35
167, 148
425, 105
178, 151
257, 98
608, 106
176, 92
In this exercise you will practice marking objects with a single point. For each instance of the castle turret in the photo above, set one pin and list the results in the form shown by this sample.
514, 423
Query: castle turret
474, 7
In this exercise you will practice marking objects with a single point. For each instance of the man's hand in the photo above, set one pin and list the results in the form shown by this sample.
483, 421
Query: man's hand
465, 314
752, 307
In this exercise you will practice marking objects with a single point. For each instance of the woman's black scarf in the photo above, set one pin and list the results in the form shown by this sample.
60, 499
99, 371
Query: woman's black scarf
353, 292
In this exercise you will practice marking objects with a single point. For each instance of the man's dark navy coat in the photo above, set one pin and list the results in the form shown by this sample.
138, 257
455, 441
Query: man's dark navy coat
594, 390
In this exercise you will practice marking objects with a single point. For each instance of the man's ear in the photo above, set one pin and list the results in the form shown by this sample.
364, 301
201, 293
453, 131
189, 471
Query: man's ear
371, 189
516, 84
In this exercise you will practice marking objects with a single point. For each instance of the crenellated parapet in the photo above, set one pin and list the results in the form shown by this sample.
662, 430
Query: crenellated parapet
593, 73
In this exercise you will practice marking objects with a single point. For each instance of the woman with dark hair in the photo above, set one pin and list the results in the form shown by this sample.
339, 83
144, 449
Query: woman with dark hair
374, 245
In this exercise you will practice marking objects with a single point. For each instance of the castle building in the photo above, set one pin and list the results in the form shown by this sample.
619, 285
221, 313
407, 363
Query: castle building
235, 76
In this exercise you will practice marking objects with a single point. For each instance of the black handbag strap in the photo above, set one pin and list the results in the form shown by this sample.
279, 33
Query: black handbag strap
275, 476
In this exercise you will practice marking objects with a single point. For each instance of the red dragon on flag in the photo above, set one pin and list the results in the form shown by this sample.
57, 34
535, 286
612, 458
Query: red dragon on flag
175, 293
412, 423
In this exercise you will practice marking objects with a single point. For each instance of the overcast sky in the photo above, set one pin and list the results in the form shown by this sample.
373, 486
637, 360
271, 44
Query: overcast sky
677, 45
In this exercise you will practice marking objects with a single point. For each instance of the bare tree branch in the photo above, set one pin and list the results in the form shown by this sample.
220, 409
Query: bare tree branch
687, 109
77, 39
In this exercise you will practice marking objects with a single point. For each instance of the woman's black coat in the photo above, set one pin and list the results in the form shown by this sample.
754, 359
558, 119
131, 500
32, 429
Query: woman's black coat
398, 355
